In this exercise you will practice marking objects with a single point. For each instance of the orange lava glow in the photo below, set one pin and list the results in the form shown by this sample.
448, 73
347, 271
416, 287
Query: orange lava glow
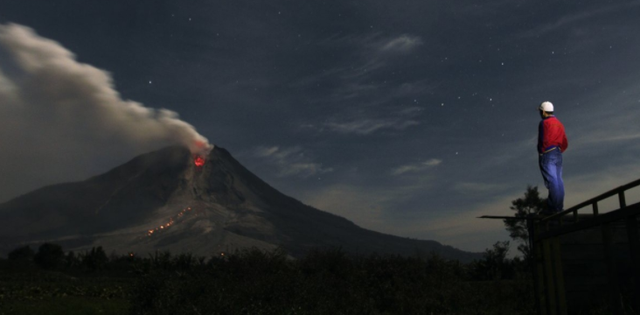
198, 161
171, 222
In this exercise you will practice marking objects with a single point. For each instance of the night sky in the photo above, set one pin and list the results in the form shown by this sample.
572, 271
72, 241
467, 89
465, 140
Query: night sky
407, 117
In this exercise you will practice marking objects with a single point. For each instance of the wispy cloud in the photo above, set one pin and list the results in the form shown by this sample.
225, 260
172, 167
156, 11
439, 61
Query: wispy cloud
577, 17
369, 126
603, 127
362, 125
374, 42
371, 52
291, 161
359, 85
416, 168
401, 44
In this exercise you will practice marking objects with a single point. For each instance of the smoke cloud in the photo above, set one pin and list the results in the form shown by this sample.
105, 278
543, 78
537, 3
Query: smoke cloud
63, 120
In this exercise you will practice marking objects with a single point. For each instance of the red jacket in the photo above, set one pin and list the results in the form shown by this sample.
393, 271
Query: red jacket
551, 134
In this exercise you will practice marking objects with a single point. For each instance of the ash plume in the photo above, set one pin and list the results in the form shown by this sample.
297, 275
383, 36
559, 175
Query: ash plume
58, 112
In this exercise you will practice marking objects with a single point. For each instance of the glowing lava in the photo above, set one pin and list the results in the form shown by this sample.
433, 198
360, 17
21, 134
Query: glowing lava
171, 222
198, 161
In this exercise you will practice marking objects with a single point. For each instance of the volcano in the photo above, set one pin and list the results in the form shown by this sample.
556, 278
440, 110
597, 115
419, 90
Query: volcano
166, 200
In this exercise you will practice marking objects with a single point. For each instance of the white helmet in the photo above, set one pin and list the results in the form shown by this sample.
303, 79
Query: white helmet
546, 106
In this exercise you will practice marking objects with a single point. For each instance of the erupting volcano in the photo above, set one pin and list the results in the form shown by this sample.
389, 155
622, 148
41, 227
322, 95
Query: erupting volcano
157, 202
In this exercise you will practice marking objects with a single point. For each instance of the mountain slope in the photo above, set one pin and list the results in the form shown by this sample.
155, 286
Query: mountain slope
162, 201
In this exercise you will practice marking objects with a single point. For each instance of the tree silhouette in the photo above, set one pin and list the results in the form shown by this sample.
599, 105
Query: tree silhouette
530, 204
494, 264
95, 260
23, 254
49, 256
72, 260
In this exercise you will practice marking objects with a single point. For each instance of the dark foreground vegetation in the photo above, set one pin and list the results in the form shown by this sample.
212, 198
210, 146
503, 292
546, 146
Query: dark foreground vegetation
256, 282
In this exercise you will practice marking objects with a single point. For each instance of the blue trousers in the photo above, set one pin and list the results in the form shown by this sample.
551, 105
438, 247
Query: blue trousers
551, 168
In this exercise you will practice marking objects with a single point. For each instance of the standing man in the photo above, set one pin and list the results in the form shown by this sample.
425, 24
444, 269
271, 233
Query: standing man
552, 141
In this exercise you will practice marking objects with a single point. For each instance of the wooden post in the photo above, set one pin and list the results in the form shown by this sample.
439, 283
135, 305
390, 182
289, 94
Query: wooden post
623, 202
534, 262
549, 278
542, 303
559, 276
634, 251
612, 275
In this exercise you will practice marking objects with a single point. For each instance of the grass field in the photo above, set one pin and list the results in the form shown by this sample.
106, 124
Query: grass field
67, 305
33, 291
255, 282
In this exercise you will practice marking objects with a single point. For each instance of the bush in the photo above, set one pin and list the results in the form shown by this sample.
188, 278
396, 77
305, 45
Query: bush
495, 265
94, 260
49, 256
21, 254
263, 282
323, 282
